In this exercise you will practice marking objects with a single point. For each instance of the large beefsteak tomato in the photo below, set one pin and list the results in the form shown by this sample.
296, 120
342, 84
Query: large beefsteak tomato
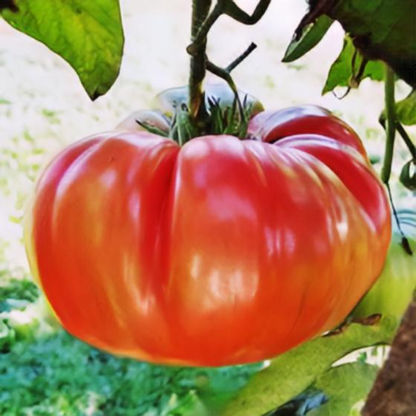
219, 252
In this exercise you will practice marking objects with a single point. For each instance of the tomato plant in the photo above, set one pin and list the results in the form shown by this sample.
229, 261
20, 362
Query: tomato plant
221, 251
211, 231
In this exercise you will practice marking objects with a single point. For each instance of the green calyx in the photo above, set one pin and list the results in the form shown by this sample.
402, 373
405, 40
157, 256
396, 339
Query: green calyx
182, 129
227, 113
230, 120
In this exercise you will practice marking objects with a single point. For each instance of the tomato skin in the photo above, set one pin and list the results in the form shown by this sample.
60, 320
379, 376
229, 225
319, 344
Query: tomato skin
224, 251
274, 125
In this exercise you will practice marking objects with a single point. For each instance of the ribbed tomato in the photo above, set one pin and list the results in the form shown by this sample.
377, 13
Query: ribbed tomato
222, 251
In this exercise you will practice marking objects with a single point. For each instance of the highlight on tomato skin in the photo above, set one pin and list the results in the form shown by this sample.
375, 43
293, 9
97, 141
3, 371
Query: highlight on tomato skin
274, 125
223, 251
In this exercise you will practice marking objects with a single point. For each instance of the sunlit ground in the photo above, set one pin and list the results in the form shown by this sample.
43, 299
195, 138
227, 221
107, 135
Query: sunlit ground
43, 106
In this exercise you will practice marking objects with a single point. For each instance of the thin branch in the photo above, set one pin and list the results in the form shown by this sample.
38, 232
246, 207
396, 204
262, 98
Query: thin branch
405, 241
229, 8
222, 73
241, 58
226, 76
390, 106
232, 10
225, 73
412, 149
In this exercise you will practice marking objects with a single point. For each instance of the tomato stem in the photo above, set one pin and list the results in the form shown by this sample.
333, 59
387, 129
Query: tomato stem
390, 108
405, 242
202, 22
232, 10
241, 58
199, 39
229, 8
225, 74
392, 125
200, 11
412, 148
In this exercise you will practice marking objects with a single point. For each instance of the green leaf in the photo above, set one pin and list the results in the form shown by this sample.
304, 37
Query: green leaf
87, 34
311, 35
381, 29
291, 373
406, 109
344, 386
345, 70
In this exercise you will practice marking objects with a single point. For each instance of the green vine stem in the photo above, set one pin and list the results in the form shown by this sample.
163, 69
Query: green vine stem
392, 125
412, 149
225, 74
390, 107
241, 58
202, 22
229, 8
200, 11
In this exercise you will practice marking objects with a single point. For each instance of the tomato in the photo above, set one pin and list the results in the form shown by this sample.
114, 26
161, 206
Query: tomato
393, 290
220, 252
